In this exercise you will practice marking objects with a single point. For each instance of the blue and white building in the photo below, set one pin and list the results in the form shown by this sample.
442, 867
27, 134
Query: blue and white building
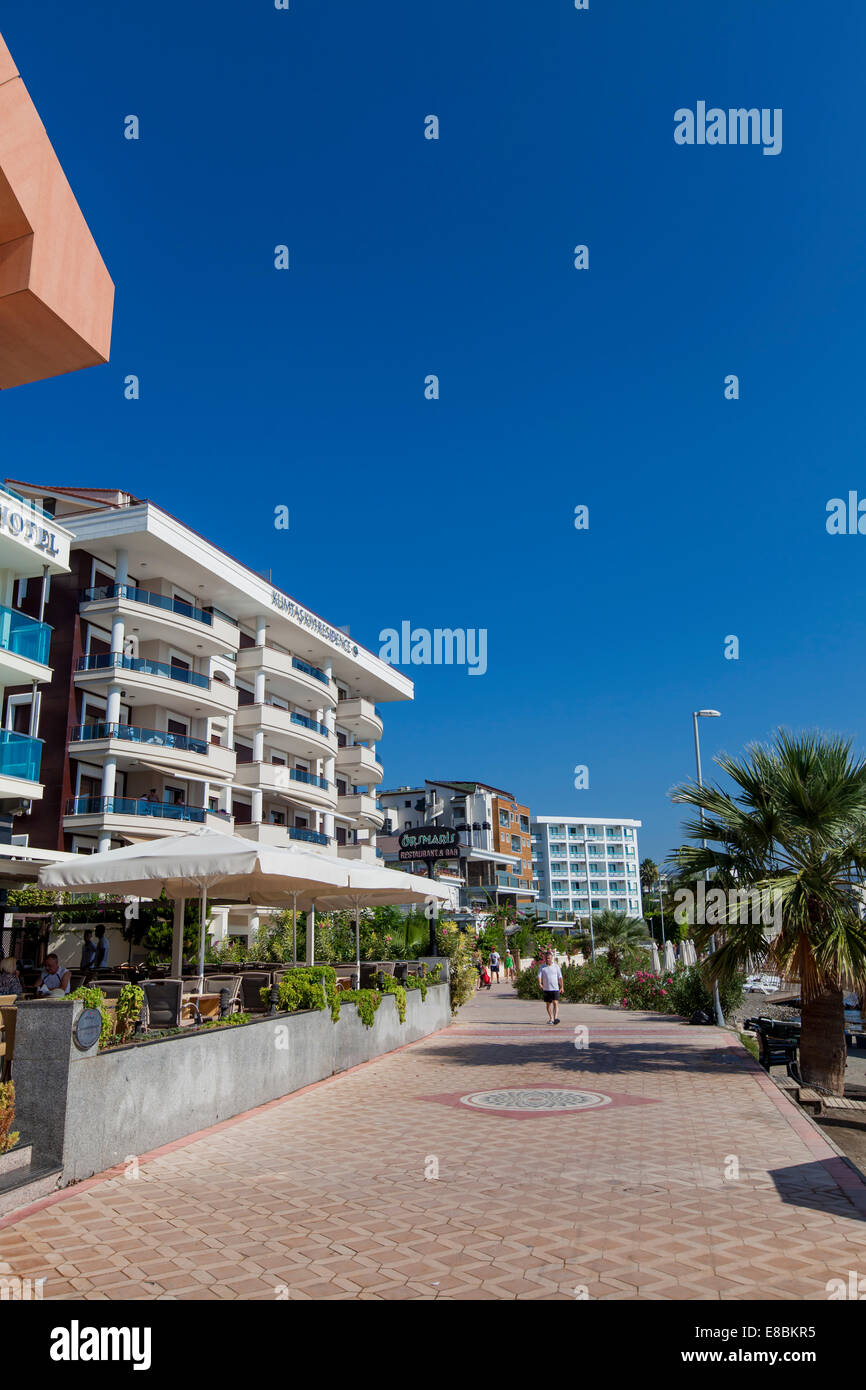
585, 865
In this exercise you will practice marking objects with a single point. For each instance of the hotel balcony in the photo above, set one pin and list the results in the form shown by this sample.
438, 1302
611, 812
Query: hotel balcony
359, 765
156, 617
363, 808
286, 730
303, 788
156, 682
292, 679
368, 854
286, 836
24, 648
133, 818
177, 755
20, 758
361, 718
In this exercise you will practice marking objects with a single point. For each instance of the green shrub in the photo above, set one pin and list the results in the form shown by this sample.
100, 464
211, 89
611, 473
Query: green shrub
593, 983
367, 1000
392, 986
647, 991
527, 985
689, 991
129, 1006
230, 1021
416, 982
8, 1137
309, 987
463, 976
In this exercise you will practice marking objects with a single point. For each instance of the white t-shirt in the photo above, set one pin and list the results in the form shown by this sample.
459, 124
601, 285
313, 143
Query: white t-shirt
551, 977
494, 960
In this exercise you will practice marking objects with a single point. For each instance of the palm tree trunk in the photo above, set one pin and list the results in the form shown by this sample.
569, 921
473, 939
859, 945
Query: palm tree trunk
823, 1053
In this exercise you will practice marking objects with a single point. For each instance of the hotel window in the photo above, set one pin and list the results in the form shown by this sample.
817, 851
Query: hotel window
629, 834
504, 819
524, 824
516, 844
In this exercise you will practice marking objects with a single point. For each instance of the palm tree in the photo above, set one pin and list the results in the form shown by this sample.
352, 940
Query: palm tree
619, 934
795, 826
649, 874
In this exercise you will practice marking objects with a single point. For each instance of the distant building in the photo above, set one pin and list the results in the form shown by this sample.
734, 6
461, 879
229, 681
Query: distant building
495, 864
587, 864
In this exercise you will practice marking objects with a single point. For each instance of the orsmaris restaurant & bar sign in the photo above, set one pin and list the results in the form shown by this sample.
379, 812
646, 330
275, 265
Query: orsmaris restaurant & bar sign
427, 843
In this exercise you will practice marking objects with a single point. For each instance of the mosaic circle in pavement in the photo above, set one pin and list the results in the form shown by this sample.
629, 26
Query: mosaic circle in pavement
542, 1100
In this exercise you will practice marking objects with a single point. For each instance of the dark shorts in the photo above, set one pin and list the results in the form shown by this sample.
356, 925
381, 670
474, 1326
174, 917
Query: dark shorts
550, 995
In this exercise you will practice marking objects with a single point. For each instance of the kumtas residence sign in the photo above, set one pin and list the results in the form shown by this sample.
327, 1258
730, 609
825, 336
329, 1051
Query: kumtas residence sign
428, 843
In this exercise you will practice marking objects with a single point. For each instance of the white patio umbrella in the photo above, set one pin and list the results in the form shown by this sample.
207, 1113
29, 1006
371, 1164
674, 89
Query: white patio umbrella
233, 869
656, 963
372, 886
670, 956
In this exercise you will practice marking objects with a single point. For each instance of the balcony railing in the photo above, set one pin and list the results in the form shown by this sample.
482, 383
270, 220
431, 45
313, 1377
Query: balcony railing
312, 778
171, 605
310, 670
20, 755
132, 806
106, 661
82, 733
313, 837
24, 636
310, 724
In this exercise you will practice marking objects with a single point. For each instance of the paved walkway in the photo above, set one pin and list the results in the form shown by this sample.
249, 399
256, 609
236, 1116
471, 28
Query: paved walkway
694, 1179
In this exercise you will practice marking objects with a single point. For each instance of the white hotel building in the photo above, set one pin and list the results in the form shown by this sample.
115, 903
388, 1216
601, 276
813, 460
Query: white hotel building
185, 690
584, 865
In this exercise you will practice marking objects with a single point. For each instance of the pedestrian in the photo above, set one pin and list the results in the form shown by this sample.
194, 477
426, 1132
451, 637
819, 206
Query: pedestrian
550, 982
479, 966
100, 960
88, 952
509, 964
495, 961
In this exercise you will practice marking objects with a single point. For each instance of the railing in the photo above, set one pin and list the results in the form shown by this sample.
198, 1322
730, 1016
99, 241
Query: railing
310, 724
20, 755
106, 661
172, 605
314, 837
131, 806
310, 670
82, 733
312, 778
23, 635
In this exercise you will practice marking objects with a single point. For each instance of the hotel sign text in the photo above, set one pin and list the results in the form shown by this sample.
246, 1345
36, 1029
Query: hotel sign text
312, 623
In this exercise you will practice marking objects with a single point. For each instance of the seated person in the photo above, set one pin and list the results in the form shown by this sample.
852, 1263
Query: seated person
53, 980
9, 981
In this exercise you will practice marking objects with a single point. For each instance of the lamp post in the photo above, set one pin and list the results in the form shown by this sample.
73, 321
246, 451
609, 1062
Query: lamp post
696, 715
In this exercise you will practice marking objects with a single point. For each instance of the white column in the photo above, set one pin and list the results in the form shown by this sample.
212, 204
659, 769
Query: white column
311, 937
112, 705
330, 720
257, 805
121, 566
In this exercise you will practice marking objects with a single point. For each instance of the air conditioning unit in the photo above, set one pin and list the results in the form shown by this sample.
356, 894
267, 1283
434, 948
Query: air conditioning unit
22, 840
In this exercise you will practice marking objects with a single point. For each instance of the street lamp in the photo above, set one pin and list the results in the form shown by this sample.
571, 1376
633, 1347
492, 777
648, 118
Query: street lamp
696, 715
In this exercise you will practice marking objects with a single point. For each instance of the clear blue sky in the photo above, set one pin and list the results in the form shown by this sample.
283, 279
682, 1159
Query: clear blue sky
558, 387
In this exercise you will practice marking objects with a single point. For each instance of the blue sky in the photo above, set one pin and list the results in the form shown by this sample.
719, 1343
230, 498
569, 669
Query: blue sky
558, 387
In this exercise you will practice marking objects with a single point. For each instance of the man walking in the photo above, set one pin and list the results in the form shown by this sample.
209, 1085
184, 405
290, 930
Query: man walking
494, 964
550, 982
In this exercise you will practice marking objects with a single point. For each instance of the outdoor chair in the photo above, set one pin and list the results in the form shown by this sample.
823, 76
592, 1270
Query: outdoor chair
214, 984
163, 1001
778, 1043
8, 1019
251, 983
8, 999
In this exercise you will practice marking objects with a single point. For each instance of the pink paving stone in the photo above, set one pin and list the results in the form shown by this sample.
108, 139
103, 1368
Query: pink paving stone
325, 1194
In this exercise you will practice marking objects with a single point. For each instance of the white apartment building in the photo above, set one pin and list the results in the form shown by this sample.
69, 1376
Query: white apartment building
587, 864
34, 548
185, 689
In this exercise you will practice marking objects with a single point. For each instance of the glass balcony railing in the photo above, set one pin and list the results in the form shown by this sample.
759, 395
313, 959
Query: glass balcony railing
310, 724
20, 755
312, 778
24, 636
134, 806
129, 591
106, 661
313, 837
129, 733
300, 665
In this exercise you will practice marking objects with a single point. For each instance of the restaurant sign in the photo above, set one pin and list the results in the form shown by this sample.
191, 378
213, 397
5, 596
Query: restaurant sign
429, 843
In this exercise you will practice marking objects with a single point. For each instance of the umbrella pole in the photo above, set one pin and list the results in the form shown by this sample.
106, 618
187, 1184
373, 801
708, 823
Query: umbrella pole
201, 930
358, 940
177, 938
294, 929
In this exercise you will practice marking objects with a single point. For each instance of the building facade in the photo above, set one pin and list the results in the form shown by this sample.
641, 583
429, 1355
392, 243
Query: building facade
495, 864
185, 690
585, 865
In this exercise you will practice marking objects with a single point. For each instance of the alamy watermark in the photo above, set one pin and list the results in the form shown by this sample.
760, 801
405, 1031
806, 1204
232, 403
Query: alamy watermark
736, 126
443, 646
718, 906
